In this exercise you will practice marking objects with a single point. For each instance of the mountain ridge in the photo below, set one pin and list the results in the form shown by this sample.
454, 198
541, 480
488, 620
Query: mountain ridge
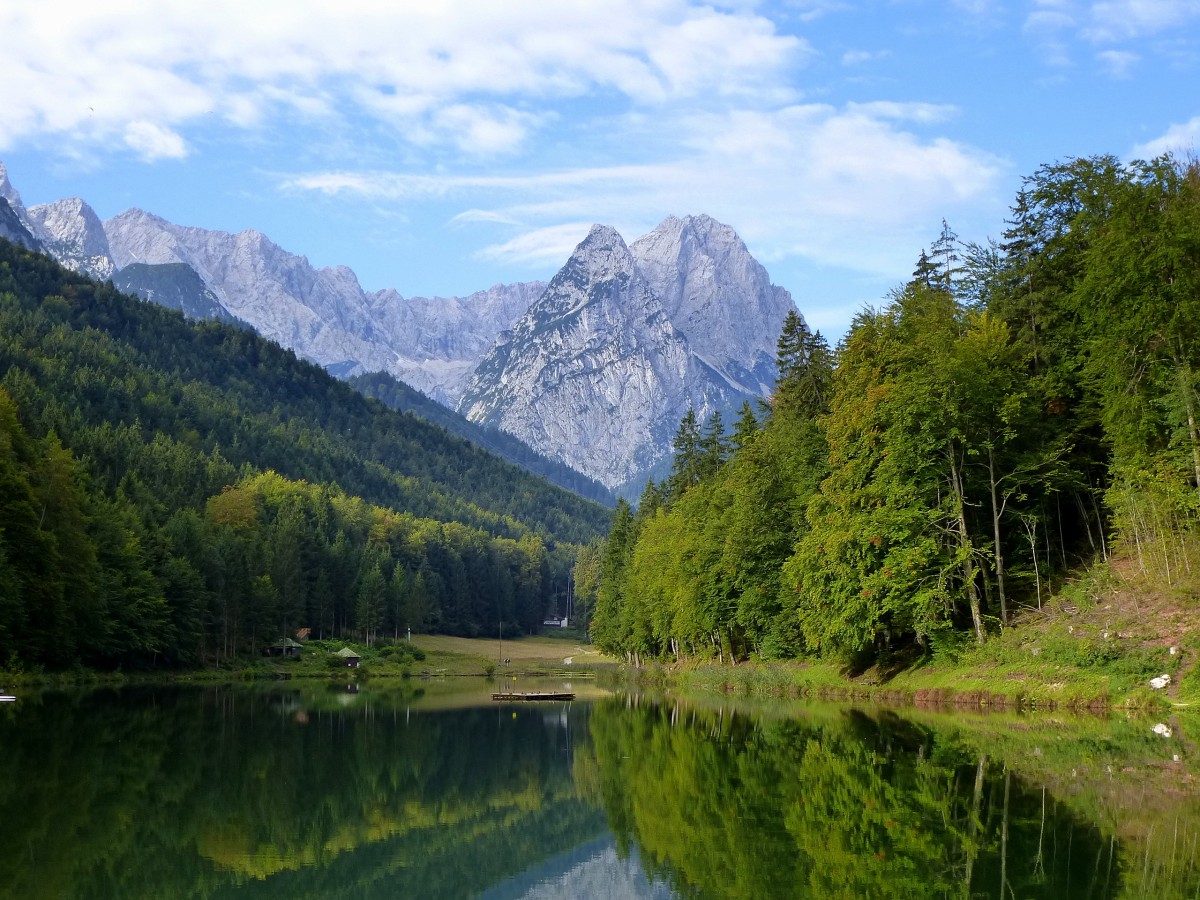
724, 313
598, 373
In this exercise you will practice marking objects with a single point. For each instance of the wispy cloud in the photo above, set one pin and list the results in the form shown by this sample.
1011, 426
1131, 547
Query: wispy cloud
862, 57
1118, 20
856, 187
550, 245
1182, 138
1118, 63
152, 142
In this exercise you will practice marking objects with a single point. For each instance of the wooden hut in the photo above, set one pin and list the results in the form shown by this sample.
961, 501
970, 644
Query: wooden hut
286, 647
351, 658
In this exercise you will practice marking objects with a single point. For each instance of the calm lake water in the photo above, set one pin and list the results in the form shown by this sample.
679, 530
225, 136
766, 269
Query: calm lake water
427, 789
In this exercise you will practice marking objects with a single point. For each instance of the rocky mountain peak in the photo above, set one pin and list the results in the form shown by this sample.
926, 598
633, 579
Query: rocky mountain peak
717, 294
594, 374
8, 192
601, 256
74, 234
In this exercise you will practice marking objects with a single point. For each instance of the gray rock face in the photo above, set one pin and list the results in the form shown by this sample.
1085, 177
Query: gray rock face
9, 193
12, 228
14, 219
320, 313
174, 285
72, 233
595, 374
718, 295
439, 341
324, 314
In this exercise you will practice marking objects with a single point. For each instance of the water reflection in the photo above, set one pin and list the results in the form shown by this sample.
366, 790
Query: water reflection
729, 805
428, 792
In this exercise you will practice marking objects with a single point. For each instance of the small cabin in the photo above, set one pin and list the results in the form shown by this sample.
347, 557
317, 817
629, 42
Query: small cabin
349, 657
555, 622
286, 647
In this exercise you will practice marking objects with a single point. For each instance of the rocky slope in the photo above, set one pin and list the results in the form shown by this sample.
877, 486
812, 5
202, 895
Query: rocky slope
174, 285
14, 220
72, 233
718, 295
439, 341
595, 373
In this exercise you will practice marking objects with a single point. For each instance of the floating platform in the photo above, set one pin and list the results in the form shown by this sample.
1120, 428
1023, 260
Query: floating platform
533, 695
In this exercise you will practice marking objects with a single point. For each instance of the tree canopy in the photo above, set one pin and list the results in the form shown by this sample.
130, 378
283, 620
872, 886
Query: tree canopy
1006, 414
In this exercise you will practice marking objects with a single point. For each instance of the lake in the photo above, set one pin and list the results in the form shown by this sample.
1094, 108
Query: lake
428, 789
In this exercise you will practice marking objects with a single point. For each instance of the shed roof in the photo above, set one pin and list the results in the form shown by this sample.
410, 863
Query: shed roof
347, 653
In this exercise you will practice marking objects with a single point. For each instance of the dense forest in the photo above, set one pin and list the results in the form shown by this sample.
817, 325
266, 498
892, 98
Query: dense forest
179, 493
404, 398
1013, 411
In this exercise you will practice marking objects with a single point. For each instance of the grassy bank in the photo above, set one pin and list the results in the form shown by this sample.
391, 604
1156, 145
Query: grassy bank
428, 655
1097, 644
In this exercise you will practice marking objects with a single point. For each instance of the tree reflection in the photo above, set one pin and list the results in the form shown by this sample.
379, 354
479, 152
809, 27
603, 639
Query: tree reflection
727, 805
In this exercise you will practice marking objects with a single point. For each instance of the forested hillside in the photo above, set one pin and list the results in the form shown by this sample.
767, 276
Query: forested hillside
177, 492
1012, 411
401, 397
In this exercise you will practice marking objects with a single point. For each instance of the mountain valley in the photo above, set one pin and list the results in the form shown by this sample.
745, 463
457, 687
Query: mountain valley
592, 371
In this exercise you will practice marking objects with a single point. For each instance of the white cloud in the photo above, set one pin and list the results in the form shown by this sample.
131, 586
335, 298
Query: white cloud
550, 245
152, 142
1116, 20
924, 113
811, 10
1180, 139
1118, 63
449, 73
848, 187
483, 132
476, 216
1048, 26
860, 57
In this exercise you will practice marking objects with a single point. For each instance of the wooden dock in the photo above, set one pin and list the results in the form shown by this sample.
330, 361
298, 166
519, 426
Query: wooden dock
533, 695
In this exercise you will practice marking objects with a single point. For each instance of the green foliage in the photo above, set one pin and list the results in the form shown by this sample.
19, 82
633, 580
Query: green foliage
180, 493
1004, 416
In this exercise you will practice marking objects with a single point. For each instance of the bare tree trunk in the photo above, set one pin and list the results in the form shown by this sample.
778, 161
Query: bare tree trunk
965, 545
1030, 523
996, 537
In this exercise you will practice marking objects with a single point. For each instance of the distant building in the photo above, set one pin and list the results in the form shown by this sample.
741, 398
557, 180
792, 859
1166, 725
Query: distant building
286, 647
556, 622
352, 659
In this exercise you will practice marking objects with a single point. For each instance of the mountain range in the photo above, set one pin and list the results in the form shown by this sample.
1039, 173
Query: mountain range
593, 370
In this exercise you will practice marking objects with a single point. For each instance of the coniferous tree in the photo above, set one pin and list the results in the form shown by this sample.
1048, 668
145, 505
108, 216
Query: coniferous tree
688, 464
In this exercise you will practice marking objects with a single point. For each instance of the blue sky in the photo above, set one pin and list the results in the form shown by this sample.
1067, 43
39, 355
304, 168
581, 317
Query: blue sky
444, 146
